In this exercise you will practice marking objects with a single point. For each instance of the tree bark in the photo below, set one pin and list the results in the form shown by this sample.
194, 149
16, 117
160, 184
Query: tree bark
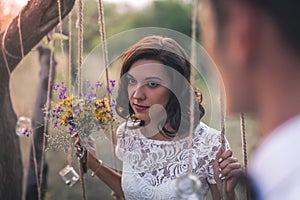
38, 17
38, 126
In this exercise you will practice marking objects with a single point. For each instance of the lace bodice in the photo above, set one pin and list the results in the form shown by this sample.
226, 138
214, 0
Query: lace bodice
150, 167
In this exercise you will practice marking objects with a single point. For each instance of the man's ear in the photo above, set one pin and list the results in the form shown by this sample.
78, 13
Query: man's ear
242, 33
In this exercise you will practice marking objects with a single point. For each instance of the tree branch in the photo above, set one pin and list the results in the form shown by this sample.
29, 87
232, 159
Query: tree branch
38, 18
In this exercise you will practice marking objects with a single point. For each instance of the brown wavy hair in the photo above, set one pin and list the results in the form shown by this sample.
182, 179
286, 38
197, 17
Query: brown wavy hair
171, 54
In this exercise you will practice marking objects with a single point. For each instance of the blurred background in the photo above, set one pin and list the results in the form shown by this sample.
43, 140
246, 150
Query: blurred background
120, 15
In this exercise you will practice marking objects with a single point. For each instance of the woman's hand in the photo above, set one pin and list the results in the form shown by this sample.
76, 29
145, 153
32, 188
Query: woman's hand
88, 154
227, 168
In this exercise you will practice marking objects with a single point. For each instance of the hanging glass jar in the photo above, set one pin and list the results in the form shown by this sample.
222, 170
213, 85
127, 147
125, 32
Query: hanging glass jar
188, 187
23, 126
69, 175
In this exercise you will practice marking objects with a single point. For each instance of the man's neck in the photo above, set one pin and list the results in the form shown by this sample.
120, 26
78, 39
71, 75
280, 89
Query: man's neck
270, 120
280, 102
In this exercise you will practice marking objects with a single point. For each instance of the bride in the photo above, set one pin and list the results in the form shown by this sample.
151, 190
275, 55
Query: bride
154, 143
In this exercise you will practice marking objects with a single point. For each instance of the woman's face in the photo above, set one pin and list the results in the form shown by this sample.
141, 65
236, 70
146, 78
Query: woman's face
148, 85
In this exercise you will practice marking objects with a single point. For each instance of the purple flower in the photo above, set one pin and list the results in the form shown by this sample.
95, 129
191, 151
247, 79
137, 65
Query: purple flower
58, 109
55, 124
71, 130
61, 96
25, 131
98, 84
91, 96
108, 90
55, 87
62, 93
113, 83
88, 83
113, 103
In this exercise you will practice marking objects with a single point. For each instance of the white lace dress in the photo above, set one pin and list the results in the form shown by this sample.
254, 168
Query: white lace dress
150, 167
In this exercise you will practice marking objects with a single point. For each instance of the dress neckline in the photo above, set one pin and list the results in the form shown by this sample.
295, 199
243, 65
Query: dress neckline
142, 136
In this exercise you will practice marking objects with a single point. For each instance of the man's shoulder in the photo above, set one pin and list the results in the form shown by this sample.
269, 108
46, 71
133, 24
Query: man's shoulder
275, 163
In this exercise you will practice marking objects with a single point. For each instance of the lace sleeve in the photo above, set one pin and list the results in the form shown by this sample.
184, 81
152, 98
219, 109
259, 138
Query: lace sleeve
214, 137
120, 149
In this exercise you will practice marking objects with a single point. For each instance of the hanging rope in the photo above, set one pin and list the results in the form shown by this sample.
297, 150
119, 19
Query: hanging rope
70, 51
194, 28
244, 140
69, 152
244, 145
4, 52
70, 149
20, 34
80, 45
4, 56
79, 67
60, 25
3, 45
223, 140
46, 117
192, 82
222, 103
106, 64
35, 167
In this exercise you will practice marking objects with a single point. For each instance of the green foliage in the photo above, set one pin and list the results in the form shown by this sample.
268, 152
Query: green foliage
172, 14
115, 22
58, 36
49, 39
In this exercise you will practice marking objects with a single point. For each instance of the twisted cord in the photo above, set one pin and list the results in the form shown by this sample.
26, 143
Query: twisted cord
69, 157
244, 140
102, 31
80, 58
46, 117
20, 34
192, 93
60, 26
80, 44
223, 140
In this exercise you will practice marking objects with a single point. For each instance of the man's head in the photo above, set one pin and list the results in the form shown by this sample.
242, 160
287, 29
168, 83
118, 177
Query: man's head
250, 41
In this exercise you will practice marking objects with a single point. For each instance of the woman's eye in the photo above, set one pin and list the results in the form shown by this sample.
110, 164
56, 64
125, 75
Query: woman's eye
131, 81
152, 84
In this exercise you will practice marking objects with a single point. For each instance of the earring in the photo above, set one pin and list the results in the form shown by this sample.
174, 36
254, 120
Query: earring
133, 122
198, 95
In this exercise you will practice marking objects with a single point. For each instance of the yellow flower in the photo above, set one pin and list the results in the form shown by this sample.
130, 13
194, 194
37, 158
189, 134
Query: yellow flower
105, 100
104, 119
68, 102
64, 120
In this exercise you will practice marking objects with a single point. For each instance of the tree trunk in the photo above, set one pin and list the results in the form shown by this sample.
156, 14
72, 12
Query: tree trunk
38, 120
38, 17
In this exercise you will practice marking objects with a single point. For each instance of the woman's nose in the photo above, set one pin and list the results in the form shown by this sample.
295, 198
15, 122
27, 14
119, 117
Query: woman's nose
139, 93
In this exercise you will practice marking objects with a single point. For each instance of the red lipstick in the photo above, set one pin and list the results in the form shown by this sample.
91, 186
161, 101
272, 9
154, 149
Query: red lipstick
140, 108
